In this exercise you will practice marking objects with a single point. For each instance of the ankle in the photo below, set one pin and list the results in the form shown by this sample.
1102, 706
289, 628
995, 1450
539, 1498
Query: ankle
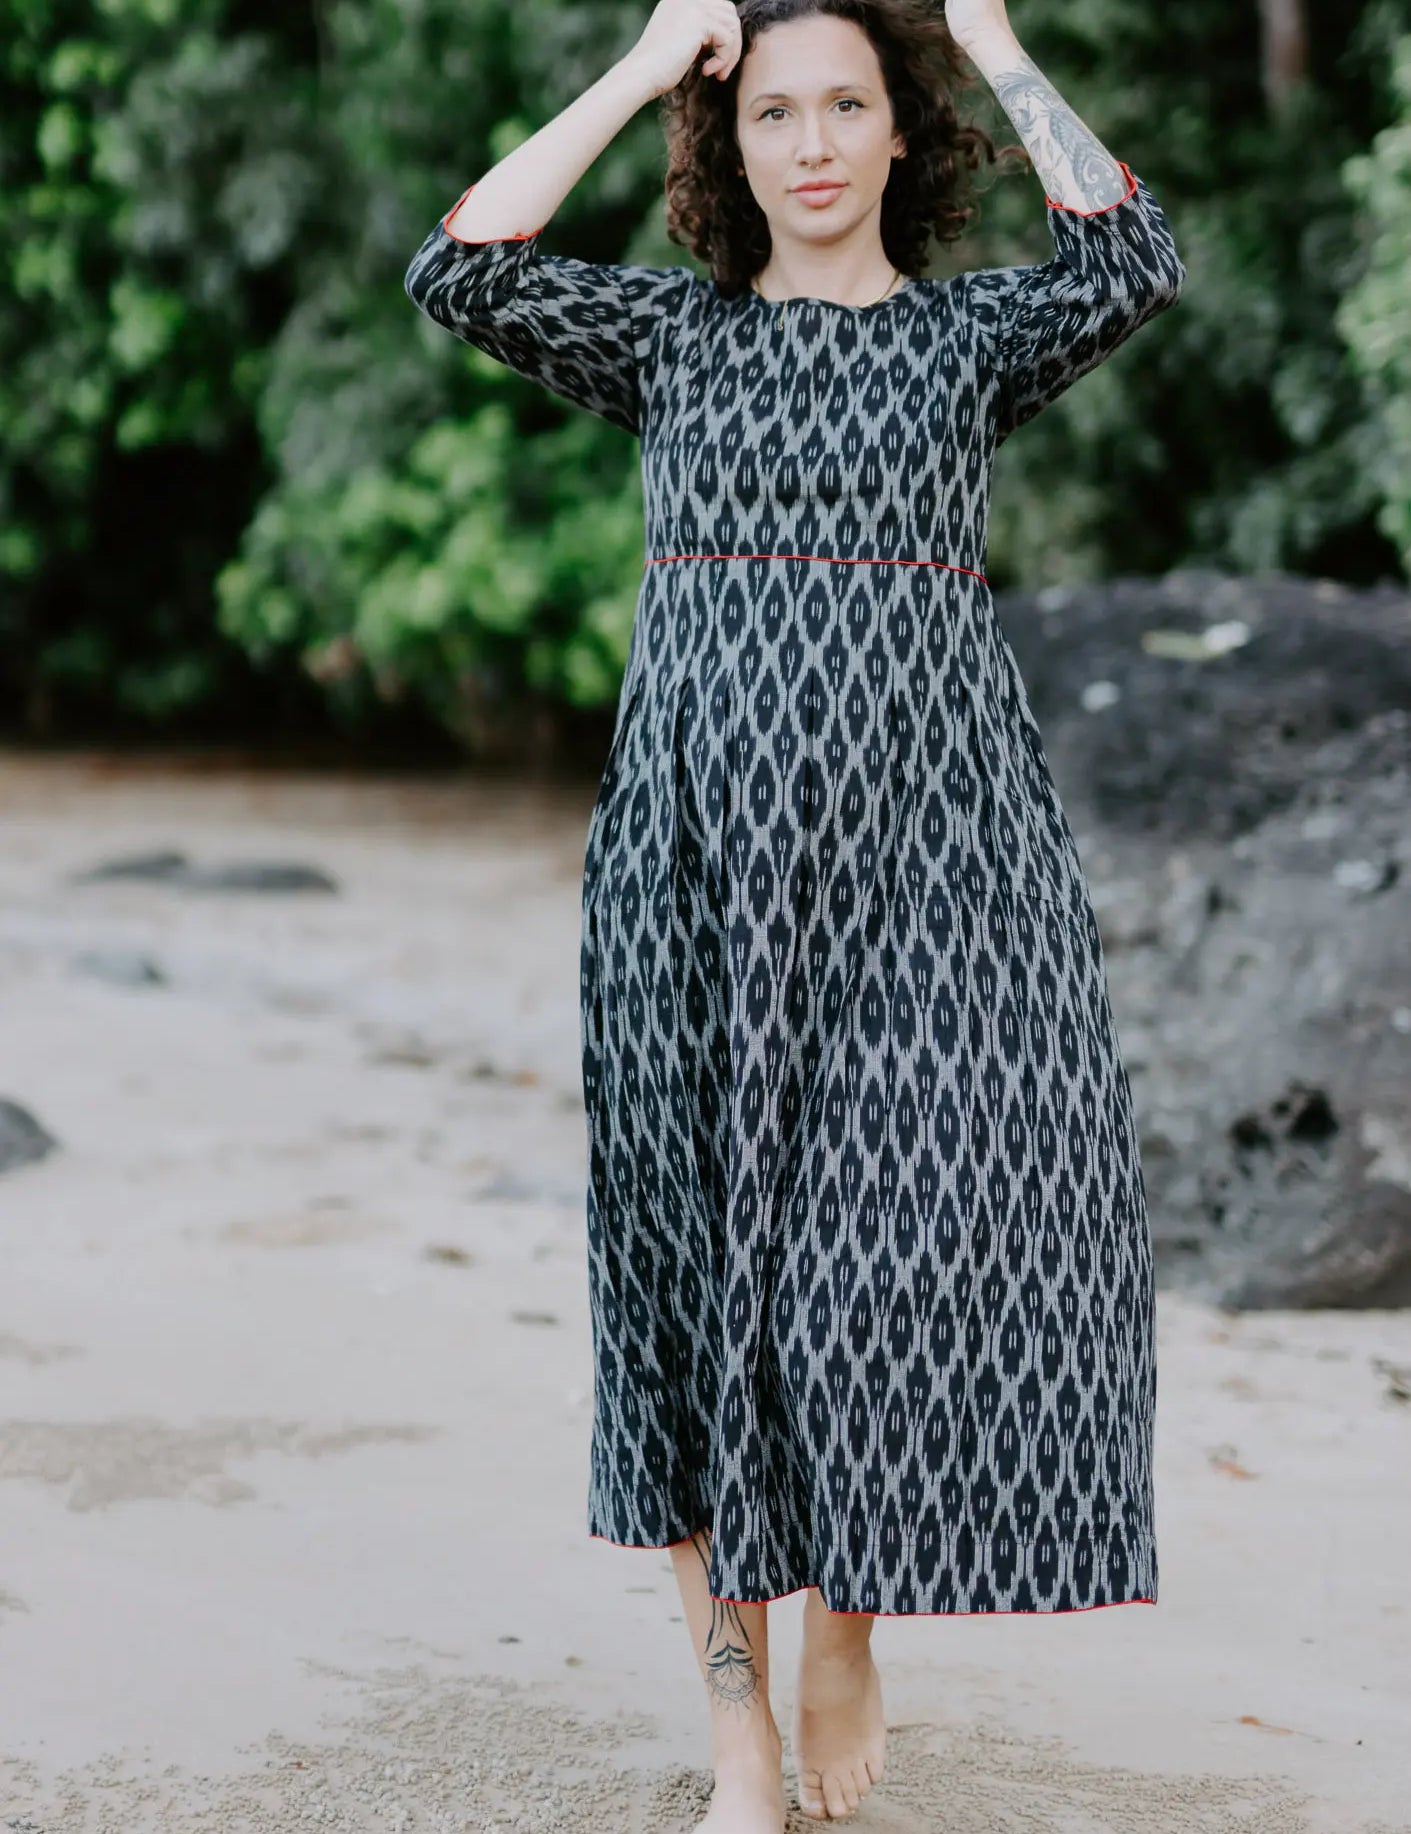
838, 1635
823, 1653
746, 1741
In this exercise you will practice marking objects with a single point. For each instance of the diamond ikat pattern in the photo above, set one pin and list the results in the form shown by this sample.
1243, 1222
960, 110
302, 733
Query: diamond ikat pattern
869, 1260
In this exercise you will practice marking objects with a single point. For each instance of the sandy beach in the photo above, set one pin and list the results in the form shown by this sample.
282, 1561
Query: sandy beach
296, 1377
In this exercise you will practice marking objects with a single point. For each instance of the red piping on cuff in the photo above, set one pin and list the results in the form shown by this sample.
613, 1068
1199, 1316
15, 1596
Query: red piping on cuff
1054, 204
520, 235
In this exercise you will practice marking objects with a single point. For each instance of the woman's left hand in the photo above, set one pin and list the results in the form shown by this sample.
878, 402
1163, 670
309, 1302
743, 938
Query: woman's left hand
973, 20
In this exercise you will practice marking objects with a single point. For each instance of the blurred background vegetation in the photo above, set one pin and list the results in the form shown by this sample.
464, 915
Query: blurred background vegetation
245, 490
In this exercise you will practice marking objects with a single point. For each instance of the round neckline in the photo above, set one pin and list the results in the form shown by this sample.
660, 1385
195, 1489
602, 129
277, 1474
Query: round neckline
911, 283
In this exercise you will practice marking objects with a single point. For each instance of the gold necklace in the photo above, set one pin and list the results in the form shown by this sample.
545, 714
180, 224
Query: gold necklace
784, 304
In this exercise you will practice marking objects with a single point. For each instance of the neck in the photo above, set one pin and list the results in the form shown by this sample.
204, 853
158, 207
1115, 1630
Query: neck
865, 292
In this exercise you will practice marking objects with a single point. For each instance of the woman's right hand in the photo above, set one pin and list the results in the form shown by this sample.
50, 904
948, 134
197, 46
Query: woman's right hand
674, 36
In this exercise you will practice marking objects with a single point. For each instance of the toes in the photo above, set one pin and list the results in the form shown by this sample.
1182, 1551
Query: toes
833, 1794
830, 1795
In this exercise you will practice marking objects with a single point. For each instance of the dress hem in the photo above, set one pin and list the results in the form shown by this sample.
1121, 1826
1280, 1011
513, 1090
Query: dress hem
657, 1547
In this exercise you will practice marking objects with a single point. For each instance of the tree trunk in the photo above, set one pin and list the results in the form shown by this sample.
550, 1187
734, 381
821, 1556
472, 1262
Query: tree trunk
1284, 25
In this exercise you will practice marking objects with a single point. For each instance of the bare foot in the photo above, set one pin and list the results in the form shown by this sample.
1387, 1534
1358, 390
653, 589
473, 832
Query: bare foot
840, 1733
731, 1639
749, 1788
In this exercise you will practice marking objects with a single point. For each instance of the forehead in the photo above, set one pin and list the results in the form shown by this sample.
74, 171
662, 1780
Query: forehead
818, 56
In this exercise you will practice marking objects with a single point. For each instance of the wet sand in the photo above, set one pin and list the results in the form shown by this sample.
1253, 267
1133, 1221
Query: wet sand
296, 1378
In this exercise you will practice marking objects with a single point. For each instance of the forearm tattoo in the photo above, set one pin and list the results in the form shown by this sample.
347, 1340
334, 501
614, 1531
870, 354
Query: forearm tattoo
731, 1675
1075, 166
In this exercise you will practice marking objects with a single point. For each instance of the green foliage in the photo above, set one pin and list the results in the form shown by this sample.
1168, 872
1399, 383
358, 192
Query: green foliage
1375, 315
240, 477
1232, 431
410, 577
158, 165
435, 527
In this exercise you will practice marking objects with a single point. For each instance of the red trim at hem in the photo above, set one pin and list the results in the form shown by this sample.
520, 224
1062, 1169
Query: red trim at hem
657, 1547
832, 559
520, 235
1054, 204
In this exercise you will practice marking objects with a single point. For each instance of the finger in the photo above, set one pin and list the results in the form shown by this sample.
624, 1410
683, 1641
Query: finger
721, 36
726, 27
723, 61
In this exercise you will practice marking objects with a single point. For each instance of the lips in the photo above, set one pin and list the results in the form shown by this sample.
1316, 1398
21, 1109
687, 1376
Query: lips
816, 196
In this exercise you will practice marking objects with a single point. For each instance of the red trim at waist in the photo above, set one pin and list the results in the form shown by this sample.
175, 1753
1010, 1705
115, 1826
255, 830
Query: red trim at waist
831, 559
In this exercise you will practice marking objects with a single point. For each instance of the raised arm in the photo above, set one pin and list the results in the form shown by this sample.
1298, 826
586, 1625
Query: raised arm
1077, 170
1114, 264
579, 328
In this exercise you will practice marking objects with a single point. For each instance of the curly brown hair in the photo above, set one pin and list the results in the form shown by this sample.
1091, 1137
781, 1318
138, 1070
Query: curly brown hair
710, 207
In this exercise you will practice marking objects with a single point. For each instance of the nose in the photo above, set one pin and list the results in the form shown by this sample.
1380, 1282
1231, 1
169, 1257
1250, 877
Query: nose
813, 147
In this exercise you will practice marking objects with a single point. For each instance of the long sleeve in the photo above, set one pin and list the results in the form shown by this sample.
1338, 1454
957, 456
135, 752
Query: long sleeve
1047, 325
581, 329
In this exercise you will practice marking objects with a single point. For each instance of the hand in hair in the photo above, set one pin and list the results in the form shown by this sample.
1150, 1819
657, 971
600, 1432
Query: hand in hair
675, 35
973, 21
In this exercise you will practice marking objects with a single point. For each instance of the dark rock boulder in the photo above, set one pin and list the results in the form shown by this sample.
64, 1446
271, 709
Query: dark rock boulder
260, 876
172, 868
122, 967
160, 867
1235, 760
22, 1139
1191, 705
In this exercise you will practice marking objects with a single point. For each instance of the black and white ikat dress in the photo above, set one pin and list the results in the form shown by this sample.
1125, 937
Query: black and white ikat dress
869, 1260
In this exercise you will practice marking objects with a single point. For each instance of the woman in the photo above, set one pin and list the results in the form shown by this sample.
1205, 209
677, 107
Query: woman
870, 1268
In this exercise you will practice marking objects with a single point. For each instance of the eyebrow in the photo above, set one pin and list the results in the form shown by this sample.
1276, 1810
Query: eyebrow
838, 89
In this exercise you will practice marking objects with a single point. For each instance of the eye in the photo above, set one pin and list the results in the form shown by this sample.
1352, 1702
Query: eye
778, 107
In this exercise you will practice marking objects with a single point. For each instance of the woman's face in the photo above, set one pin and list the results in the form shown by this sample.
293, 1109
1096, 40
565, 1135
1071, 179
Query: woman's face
811, 105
